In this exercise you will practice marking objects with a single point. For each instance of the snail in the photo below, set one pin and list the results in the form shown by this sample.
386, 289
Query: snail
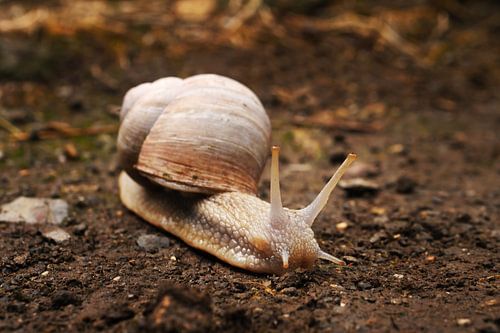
208, 136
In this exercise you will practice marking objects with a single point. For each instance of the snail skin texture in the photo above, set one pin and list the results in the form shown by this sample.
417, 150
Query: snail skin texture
228, 222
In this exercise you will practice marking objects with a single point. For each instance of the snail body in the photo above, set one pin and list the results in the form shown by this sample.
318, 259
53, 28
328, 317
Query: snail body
210, 134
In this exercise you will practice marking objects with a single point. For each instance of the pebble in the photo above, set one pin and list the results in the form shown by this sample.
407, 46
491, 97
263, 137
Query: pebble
437, 200
358, 187
341, 226
21, 258
396, 227
56, 234
364, 285
378, 236
337, 286
491, 302
360, 169
338, 309
350, 259
464, 321
79, 229
381, 220
152, 242
430, 258
378, 210
397, 149
398, 276
34, 210
290, 291
63, 298
405, 185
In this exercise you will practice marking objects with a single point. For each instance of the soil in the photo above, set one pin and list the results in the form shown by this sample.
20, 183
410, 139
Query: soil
422, 249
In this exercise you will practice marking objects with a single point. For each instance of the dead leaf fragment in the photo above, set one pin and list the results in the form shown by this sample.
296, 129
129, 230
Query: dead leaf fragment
70, 151
194, 10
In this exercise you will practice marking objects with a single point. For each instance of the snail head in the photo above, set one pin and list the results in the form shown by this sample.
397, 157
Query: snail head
292, 239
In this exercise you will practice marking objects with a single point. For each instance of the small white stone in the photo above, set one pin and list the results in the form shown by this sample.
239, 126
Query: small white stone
342, 226
45, 273
398, 276
173, 258
464, 321
117, 278
56, 234
359, 185
151, 242
34, 210
337, 286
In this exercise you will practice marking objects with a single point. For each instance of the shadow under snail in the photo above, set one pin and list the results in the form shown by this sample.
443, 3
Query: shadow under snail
210, 134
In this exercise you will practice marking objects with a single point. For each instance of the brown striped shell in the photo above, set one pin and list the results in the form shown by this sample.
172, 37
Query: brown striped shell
206, 133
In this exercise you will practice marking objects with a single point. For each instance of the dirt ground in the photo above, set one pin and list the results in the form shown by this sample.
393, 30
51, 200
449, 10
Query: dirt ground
410, 86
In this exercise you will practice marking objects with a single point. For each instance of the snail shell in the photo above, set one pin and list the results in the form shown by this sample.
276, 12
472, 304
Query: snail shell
204, 134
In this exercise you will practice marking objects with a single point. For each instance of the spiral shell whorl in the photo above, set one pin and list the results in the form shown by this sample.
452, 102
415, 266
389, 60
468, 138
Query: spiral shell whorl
141, 108
207, 133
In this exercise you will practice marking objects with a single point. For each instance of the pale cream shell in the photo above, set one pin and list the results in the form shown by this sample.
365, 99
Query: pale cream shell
206, 133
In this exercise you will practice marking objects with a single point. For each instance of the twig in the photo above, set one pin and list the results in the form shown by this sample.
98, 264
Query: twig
101, 76
344, 125
9, 127
363, 25
27, 22
246, 12
56, 129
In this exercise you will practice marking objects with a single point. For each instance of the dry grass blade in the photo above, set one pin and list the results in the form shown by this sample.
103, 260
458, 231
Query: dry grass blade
8, 126
26, 22
57, 129
364, 25
330, 123
245, 13
65, 19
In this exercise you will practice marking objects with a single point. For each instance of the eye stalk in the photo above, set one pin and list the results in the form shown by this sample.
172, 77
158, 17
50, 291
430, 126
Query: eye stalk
308, 214
276, 205
312, 211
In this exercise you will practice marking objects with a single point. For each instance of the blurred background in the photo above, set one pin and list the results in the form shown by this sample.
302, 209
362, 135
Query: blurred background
347, 65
